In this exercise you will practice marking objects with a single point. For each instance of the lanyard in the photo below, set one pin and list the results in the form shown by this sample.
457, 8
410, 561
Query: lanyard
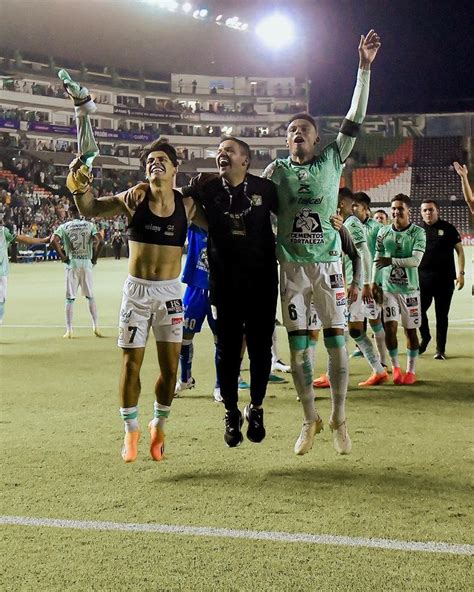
225, 184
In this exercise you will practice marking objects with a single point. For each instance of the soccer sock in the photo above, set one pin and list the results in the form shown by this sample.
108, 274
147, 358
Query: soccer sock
274, 347
312, 343
186, 359
130, 418
216, 360
412, 355
302, 372
2, 310
338, 370
393, 353
379, 333
367, 348
93, 311
69, 309
160, 414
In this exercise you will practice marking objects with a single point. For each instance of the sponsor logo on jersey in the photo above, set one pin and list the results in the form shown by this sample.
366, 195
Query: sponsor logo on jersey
174, 306
398, 276
337, 281
334, 253
176, 320
413, 312
307, 228
256, 199
309, 201
340, 298
203, 262
412, 301
169, 230
153, 227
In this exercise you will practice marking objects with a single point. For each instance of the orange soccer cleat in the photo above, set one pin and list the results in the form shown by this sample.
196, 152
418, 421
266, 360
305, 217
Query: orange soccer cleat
409, 378
130, 446
322, 381
157, 442
375, 379
397, 376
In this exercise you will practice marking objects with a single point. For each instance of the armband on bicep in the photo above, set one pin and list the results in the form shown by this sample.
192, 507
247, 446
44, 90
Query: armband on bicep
350, 128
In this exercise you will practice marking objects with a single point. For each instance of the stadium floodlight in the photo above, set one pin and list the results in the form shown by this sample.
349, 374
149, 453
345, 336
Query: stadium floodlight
187, 7
276, 31
218, 19
203, 12
244, 26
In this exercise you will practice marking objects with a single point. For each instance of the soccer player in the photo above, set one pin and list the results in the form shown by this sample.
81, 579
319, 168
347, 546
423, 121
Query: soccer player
398, 253
461, 170
243, 279
310, 267
361, 209
364, 306
78, 243
152, 292
7, 237
197, 307
381, 217
438, 274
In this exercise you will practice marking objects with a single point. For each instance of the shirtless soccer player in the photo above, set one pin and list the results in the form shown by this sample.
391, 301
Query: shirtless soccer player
152, 291
309, 251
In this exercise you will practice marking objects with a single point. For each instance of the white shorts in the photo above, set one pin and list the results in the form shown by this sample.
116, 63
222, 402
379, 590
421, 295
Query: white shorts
79, 276
359, 310
403, 306
314, 288
146, 304
3, 287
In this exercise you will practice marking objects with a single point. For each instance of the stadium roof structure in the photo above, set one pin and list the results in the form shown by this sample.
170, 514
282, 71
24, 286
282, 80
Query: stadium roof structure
139, 35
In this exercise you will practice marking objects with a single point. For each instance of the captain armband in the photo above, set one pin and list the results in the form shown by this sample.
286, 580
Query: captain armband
350, 128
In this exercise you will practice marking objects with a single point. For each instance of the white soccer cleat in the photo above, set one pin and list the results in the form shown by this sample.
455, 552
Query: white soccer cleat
183, 386
341, 439
97, 332
217, 395
306, 438
280, 366
68, 335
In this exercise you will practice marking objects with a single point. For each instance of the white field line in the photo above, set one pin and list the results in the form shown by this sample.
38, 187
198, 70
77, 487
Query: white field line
281, 537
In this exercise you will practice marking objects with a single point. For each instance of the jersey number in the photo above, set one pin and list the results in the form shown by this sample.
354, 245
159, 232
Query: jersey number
390, 311
133, 332
292, 312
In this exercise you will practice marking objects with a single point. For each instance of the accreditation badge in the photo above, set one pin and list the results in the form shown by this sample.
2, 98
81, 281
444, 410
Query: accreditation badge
237, 225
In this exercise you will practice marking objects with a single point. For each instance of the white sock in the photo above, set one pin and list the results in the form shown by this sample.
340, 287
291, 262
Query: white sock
393, 353
302, 372
69, 311
93, 311
412, 355
367, 348
160, 414
130, 418
379, 333
275, 357
338, 370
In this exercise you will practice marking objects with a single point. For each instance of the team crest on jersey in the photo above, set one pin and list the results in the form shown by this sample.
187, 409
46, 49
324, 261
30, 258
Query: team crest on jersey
307, 228
256, 199
302, 175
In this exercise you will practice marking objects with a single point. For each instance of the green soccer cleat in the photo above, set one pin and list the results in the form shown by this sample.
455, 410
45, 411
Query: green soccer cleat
79, 94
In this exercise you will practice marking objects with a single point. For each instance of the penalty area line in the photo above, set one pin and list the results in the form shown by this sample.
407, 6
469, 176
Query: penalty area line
273, 536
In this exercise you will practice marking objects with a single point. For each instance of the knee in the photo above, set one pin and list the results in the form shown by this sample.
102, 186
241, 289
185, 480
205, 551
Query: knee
131, 368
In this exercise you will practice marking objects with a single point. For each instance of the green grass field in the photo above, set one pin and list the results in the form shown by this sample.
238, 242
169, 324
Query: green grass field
407, 479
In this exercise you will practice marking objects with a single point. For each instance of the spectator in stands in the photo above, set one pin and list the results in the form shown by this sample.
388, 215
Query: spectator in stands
194, 86
381, 216
117, 242
461, 170
437, 274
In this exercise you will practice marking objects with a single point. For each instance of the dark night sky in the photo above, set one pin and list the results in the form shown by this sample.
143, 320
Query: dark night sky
425, 63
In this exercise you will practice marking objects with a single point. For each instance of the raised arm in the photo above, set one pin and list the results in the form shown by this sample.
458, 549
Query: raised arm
368, 48
461, 170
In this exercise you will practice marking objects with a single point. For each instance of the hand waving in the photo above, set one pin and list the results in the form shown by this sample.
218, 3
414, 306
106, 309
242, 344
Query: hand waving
368, 47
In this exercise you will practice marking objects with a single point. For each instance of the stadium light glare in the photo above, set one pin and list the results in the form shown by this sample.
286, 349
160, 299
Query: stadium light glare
203, 12
187, 7
276, 31
218, 18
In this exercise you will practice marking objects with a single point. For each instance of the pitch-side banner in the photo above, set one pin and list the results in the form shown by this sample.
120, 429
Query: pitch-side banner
104, 134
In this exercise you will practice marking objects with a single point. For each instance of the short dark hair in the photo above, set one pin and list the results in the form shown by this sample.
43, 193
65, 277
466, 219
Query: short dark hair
305, 116
381, 212
161, 145
345, 193
73, 209
403, 198
434, 202
245, 148
362, 197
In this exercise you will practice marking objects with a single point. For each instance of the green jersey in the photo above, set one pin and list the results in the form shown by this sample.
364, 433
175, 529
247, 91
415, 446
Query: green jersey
307, 198
399, 244
76, 237
6, 238
358, 235
371, 228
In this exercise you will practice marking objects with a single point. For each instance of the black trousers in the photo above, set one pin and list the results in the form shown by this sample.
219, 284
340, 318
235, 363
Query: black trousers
441, 290
251, 314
